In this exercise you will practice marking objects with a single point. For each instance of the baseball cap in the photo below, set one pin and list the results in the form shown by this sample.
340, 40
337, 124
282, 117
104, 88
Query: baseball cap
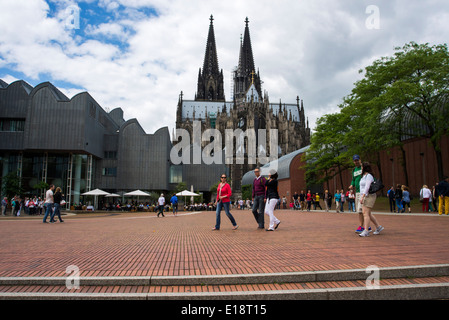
355, 157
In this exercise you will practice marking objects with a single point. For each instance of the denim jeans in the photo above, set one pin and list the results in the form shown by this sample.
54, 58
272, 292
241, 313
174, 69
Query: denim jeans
258, 210
224, 205
399, 205
48, 211
351, 205
57, 211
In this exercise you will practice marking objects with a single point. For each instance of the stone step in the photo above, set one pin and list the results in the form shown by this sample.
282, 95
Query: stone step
413, 282
285, 277
322, 291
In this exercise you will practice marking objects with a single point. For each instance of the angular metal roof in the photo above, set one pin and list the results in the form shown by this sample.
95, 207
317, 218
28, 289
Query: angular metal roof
281, 165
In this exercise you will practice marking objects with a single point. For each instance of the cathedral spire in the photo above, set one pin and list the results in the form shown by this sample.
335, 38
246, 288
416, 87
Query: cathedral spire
245, 74
210, 64
247, 60
210, 79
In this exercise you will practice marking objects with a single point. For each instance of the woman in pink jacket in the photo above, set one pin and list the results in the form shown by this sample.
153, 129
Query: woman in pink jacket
223, 201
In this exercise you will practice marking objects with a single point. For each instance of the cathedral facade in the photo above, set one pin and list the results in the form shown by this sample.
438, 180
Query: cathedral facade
249, 107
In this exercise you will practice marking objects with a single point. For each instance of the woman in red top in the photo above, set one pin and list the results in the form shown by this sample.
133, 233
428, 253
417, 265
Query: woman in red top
309, 200
223, 201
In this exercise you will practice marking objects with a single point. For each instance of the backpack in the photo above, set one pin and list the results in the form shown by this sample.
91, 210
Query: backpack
375, 186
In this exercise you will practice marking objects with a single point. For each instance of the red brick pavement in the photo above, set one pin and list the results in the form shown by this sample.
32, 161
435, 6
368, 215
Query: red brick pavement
139, 244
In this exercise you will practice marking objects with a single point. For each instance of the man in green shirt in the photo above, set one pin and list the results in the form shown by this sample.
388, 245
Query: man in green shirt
355, 183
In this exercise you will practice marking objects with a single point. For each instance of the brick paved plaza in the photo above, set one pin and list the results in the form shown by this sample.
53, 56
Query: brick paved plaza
140, 244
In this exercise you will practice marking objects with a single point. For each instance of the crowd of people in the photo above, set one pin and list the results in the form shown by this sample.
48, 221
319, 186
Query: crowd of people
49, 206
359, 197
26, 205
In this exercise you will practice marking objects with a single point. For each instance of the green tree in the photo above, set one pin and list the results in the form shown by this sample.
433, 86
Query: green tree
180, 187
399, 97
409, 94
12, 185
327, 156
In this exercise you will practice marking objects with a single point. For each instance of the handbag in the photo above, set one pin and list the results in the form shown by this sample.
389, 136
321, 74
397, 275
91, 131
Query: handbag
376, 186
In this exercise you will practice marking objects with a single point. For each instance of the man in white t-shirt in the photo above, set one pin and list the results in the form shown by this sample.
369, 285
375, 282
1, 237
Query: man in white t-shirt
48, 202
161, 203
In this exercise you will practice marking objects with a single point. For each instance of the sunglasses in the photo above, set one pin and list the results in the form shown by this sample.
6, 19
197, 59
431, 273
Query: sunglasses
223, 177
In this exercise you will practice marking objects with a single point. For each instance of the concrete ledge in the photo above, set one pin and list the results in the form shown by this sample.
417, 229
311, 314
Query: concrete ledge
399, 292
288, 277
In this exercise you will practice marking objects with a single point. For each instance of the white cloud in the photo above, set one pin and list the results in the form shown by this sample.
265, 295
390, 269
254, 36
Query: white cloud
141, 62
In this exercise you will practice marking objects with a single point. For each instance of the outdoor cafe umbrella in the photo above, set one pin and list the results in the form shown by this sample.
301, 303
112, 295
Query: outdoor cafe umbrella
112, 195
187, 193
95, 193
137, 193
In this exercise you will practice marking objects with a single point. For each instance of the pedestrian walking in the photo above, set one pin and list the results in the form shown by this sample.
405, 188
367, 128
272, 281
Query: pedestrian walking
57, 198
258, 196
4, 206
355, 183
435, 198
351, 199
405, 199
342, 200
327, 200
49, 202
442, 189
398, 197
337, 197
302, 200
161, 204
425, 195
174, 204
317, 201
391, 199
367, 200
309, 200
272, 197
284, 202
223, 201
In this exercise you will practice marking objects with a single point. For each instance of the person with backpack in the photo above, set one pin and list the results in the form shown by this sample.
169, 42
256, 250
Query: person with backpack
398, 197
367, 200
355, 183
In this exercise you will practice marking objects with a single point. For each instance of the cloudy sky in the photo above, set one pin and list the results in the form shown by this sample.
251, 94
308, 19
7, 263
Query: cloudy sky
140, 54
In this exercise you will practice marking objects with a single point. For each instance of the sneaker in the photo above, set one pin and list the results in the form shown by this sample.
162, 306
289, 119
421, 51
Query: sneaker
378, 230
359, 230
364, 233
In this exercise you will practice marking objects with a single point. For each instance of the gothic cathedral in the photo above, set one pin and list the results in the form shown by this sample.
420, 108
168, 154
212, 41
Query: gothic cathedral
249, 107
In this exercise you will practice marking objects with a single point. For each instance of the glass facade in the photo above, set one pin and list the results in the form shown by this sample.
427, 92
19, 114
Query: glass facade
175, 174
73, 173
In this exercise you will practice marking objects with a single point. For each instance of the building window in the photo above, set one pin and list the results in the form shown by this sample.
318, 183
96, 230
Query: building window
12, 125
175, 174
110, 155
111, 172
